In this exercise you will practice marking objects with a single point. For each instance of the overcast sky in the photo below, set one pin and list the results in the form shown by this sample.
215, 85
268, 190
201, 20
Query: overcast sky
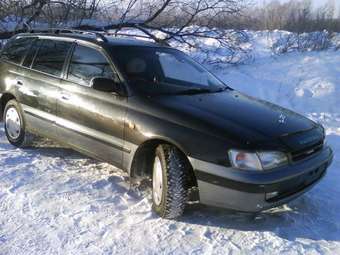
316, 2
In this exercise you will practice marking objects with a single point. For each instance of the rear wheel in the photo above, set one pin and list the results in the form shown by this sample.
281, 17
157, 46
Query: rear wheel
15, 125
169, 182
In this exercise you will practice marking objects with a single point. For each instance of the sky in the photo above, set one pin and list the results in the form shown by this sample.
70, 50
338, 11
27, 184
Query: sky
315, 2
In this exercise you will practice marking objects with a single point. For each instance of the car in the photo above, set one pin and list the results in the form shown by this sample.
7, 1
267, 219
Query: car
157, 114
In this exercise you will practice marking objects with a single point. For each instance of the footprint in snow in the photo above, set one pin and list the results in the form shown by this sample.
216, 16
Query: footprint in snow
2, 239
172, 227
208, 234
100, 184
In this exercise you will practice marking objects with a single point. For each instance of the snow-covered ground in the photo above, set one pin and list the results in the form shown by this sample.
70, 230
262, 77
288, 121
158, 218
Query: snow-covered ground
56, 201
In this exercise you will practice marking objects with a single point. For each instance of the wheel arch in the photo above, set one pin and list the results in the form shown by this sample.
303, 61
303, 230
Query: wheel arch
5, 98
142, 161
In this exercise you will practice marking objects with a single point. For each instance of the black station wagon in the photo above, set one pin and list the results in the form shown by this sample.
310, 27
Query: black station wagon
154, 112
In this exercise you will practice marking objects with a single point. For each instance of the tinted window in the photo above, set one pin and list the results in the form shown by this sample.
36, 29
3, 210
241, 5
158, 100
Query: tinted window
87, 63
15, 50
157, 70
51, 57
31, 53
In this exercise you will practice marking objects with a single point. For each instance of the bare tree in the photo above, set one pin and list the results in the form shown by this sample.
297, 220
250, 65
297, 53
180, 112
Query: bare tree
171, 18
185, 22
51, 12
165, 21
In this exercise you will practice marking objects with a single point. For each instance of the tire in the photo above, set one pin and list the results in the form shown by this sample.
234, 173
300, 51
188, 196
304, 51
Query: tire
15, 126
170, 196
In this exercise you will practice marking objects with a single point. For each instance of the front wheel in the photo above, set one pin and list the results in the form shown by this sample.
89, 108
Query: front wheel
15, 125
169, 182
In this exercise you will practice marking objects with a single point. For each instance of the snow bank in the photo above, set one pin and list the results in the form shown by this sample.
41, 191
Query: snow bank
290, 42
248, 46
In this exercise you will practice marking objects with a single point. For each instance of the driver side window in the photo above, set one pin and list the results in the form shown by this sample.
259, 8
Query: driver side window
87, 63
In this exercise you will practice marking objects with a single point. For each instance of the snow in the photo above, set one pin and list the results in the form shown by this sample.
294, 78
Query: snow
56, 201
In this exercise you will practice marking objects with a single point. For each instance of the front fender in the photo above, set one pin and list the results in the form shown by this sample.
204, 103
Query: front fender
142, 127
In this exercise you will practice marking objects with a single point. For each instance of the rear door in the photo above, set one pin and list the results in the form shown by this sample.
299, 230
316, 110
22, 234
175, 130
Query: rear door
39, 80
10, 60
90, 120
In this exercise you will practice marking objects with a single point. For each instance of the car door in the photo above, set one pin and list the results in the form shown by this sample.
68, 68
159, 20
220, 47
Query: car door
39, 80
10, 60
90, 120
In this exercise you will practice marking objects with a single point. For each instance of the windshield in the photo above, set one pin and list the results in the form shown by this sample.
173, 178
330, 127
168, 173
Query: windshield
155, 70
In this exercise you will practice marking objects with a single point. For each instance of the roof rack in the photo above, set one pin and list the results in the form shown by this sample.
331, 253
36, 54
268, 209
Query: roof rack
99, 36
128, 35
137, 36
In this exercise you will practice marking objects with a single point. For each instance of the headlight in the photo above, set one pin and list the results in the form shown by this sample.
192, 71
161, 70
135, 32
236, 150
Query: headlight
273, 159
245, 160
256, 161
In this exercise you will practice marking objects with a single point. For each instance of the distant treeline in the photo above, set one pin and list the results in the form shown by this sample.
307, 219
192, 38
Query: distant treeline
296, 16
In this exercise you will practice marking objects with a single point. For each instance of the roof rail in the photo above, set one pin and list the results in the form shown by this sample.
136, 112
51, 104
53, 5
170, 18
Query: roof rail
128, 35
99, 36
137, 36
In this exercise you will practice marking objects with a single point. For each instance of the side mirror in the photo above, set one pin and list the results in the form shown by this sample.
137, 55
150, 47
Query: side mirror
105, 85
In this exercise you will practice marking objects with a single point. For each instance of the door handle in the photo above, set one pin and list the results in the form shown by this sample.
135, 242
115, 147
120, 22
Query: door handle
65, 97
20, 83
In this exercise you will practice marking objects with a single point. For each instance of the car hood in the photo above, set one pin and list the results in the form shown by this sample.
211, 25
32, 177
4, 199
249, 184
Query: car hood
235, 115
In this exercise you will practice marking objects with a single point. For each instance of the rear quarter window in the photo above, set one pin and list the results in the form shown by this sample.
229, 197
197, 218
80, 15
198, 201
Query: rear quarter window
15, 50
51, 57
31, 53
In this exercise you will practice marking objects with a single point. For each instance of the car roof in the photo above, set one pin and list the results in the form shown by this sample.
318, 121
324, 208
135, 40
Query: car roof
110, 41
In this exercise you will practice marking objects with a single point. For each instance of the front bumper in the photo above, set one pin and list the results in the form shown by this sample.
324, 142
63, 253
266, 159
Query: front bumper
249, 191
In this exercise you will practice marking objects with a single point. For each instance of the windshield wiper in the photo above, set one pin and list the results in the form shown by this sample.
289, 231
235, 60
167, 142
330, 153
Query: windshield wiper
193, 91
224, 89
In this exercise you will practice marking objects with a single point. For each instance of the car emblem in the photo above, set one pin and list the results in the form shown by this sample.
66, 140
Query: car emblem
282, 118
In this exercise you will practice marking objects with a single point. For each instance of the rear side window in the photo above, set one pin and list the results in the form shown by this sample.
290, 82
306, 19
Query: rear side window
87, 63
31, 53
15, 50
51, 57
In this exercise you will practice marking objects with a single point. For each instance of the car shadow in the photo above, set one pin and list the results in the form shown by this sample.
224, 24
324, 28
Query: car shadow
293, 221
43, 147
43, 151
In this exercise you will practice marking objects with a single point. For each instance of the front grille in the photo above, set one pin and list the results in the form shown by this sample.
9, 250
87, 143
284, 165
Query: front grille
306, 152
